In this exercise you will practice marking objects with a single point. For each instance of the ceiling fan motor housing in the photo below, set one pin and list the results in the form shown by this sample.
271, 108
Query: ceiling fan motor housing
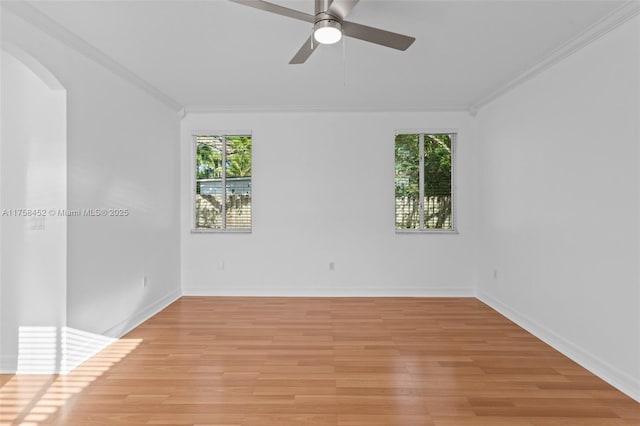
323, 20
329, 26
325, 16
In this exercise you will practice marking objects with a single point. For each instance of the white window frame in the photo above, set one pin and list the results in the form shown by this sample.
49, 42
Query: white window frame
216, 133
454, 198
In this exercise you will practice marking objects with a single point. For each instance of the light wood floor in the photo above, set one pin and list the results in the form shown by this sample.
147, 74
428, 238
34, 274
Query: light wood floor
322, 362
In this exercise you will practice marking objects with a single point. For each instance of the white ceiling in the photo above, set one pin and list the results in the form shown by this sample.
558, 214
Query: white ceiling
218, 55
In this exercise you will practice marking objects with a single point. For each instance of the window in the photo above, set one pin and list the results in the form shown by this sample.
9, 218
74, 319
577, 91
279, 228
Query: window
223, 182
424, 181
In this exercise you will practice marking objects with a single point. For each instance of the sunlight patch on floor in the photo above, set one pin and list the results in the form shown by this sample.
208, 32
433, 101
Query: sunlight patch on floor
32, 399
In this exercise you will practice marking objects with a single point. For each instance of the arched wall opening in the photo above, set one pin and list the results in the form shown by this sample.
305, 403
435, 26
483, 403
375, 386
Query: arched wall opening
33, 225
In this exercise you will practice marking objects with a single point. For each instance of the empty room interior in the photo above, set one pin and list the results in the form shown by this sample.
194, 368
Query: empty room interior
316, 212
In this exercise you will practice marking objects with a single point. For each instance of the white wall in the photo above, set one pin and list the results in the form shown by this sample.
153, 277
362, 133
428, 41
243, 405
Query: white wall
323, 190
560, 206
34, 260
121, 153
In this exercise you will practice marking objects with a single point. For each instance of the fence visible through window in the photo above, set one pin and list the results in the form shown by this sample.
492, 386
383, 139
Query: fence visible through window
437, 212
223, 182
424, 181
209, 206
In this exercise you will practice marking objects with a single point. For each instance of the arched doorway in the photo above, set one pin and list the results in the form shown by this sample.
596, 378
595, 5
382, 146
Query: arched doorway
33, 226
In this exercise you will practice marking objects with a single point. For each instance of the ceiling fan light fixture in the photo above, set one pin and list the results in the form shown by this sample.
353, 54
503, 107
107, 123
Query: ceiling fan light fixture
329, 26
327, 31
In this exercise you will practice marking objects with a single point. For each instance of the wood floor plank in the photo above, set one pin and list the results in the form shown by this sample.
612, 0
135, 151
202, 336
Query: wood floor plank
238, 361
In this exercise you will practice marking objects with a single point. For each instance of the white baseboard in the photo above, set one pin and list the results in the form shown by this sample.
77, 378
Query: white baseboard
78, 346
352, 292
128, 324
122, 328
600, 368
119, 330
8, 364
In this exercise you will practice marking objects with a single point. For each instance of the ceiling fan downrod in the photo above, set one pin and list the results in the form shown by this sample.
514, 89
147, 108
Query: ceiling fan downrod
329, 26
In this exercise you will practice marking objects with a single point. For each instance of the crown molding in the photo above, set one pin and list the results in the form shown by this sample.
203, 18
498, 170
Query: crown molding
617, 17
55, 30
212, 109
49, 26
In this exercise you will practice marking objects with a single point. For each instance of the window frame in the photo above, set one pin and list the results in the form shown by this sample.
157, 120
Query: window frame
194, 147
454, 133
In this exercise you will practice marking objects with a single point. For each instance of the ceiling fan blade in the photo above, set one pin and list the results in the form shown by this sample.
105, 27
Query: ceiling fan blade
305, 51
341, 8
279, 10
377, 36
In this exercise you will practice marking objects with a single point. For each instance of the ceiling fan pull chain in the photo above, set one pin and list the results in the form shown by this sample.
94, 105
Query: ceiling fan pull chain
329, 26
344, 62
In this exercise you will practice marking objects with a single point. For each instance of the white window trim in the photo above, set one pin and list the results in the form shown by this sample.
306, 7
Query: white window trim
454, 188
192, 208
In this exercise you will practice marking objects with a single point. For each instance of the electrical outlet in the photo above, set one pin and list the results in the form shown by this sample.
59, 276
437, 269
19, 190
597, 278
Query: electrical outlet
37, 223
332, 266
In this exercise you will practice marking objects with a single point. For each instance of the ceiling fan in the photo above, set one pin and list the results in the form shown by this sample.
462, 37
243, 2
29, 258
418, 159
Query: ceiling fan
329, 26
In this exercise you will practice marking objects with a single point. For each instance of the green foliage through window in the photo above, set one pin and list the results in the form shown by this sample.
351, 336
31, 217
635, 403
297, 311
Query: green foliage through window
423, 166
223, 181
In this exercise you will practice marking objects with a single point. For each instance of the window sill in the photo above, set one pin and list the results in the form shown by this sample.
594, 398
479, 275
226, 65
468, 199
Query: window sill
220, 231
428, 231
